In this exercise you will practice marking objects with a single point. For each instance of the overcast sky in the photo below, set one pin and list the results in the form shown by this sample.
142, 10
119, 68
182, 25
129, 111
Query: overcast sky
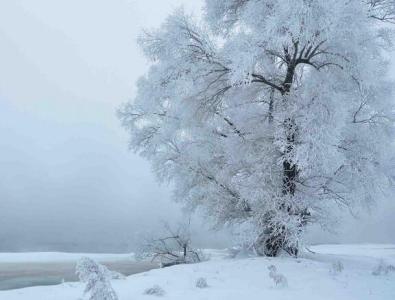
66, 176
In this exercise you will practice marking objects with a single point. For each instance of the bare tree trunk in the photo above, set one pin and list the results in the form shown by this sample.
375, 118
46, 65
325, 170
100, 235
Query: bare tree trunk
185, 252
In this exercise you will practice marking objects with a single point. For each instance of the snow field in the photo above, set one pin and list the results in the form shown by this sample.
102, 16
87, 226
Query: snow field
309, 277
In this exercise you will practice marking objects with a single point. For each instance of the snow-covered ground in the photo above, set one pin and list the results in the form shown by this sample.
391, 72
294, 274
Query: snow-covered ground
310, 277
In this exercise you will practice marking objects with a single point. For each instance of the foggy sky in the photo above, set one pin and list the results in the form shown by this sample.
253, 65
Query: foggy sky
67, 180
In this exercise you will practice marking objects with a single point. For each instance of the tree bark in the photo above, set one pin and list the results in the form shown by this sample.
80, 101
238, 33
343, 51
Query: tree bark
276, 237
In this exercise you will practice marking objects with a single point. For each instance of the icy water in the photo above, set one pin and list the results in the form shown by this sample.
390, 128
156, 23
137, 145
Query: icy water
20, 275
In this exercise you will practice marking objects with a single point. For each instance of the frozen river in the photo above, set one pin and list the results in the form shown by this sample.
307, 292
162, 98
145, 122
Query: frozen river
16, 274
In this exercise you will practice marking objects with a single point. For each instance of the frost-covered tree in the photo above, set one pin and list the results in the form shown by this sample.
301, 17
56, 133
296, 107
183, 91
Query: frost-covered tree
269, 112
97, 278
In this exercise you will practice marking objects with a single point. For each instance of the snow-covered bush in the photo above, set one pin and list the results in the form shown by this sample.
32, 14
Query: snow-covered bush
156, 290
174, 247
337, 267
201, 283
269, 112
279, 279
97, 279
244, 237
383, 268
117, 275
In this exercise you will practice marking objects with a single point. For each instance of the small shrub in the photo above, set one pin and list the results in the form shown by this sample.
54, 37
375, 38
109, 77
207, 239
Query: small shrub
337, 267
117, 275
156, 290
383, 269
279, 279
201, 283
97, 278
173, 248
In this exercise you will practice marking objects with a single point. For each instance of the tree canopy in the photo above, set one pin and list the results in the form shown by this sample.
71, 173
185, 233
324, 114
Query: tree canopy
271, 113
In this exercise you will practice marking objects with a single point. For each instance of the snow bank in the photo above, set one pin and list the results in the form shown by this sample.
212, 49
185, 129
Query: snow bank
371, 250
309, 277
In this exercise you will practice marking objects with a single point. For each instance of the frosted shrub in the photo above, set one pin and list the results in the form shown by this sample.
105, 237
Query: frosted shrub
156, 290
244, 236
279, 279
337, 267
97, 278
117, 275
173, 248
201, 283
383, 268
